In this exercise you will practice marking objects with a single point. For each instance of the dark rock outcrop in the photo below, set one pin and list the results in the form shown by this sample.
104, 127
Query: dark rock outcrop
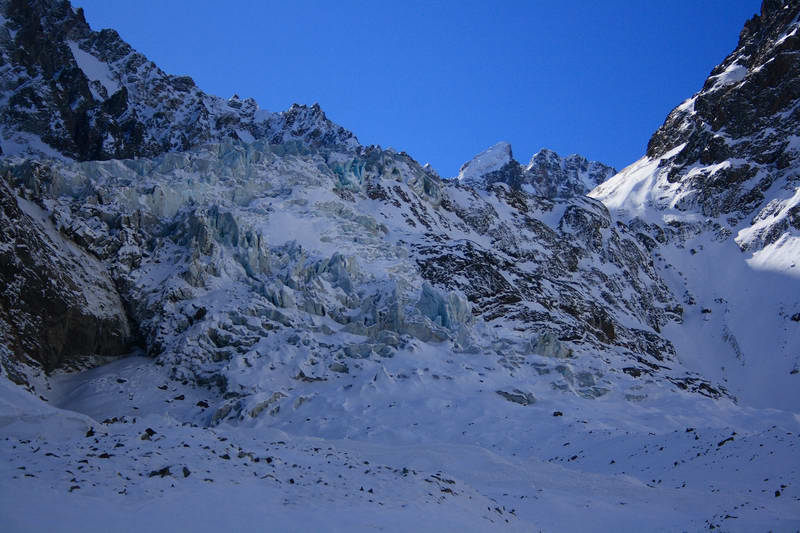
547, 174
57, 304
738, 135
87, 95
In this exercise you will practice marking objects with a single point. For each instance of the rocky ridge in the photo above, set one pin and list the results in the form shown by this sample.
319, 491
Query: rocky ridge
547, 174
338, 328
73, 92
386, 255
730, 152
385, 258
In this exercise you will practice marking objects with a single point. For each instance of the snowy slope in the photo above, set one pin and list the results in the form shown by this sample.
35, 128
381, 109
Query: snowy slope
717, 197
373, 455
400, 322
492, 159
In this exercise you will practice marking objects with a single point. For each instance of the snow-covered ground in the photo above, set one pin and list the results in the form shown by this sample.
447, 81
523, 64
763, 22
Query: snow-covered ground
121, 447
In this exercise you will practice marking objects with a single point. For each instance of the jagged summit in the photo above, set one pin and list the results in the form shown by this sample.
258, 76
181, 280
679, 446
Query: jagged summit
547, 174
558, 177
493, 159
87, 95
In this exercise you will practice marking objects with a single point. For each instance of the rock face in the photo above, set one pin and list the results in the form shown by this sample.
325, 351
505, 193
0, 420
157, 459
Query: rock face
574, 175
57, 304
730, 152
717, 200
86, 95
547, 174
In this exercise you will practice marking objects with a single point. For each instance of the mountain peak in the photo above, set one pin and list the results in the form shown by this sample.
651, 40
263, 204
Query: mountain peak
81, 94
730, 152
490, 160
548, 174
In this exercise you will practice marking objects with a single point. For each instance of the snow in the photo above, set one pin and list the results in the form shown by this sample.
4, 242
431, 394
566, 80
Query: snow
787, 35
245, 136
731, 75
90, 268
782, 256
391, 455
736, 304
4, 23
778, 212
492, 159
631, 190
687, 105
24, 143
94, 69
421, 429
419, 432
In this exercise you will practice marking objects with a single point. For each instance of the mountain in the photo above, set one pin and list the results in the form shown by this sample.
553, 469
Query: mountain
730, 153
87, 95
717, 197
318, 334
547, 174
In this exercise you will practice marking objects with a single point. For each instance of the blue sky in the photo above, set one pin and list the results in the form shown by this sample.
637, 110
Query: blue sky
445, 80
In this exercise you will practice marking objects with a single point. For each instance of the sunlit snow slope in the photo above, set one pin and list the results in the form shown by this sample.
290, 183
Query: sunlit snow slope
718, 196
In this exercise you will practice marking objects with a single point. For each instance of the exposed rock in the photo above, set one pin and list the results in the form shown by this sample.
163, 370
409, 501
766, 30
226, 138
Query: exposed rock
298, 256
547, 174
723, 149
88, 95
721, 173
518, 396
57, 303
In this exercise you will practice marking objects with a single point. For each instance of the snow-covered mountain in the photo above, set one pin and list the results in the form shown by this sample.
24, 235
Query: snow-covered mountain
72, 92
329, 326
717, 197
547, 174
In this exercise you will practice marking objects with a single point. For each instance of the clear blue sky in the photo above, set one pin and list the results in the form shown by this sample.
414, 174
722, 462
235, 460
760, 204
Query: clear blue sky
445, 80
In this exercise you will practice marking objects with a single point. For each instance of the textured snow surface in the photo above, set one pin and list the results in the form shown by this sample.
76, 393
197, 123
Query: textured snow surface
390, 455
781, 256
738, 293
442, 414
733, 74
637, 190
